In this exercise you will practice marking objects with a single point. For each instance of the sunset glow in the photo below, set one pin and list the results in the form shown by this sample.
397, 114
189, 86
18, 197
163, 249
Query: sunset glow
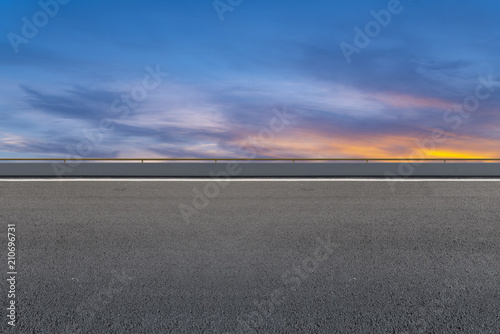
182, 80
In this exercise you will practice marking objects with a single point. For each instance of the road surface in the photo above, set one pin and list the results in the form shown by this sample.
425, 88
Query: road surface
255, 257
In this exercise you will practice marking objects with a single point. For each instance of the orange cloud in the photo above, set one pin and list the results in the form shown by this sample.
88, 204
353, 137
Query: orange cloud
311, 144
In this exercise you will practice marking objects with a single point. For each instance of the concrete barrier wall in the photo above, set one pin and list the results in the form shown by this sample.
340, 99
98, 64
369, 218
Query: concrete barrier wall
250, 170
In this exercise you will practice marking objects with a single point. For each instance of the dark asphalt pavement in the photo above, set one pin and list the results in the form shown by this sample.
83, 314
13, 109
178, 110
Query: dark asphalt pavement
257, 257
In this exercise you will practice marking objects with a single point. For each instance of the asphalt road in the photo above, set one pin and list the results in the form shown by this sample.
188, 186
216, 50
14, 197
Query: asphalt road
258, 257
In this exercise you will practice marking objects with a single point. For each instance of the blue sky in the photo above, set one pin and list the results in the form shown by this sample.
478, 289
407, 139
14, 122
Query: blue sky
414, 90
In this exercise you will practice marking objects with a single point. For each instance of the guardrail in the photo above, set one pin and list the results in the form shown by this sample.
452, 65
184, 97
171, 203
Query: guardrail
293, 160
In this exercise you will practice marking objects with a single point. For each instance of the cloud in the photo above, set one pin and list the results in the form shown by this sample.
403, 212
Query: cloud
77, 103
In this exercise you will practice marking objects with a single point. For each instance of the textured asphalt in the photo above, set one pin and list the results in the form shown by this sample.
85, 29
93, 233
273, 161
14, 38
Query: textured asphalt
260, 257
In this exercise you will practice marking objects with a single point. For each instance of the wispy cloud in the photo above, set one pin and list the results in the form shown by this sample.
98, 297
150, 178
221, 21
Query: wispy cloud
227, 78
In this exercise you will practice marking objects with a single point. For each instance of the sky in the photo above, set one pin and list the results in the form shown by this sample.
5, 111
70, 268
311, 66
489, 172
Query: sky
240, 78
